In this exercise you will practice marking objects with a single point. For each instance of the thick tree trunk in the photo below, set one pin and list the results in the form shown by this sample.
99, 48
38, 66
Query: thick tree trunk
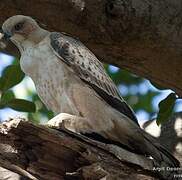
143, 37
38, 152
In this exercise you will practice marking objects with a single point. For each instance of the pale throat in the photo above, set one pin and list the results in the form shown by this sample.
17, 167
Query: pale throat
34, 38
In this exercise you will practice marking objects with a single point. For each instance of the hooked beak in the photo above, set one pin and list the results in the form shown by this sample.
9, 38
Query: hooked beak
5, 35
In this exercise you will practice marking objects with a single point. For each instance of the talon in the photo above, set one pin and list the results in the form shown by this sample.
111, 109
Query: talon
55, 123
62, 121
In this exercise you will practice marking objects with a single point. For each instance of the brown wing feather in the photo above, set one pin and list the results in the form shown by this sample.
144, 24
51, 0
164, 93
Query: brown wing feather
89, 69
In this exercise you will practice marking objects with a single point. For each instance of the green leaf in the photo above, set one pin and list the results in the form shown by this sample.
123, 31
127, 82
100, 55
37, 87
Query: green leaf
20, 105
144, 101
166, 107
7, 96
11, 76
123, 77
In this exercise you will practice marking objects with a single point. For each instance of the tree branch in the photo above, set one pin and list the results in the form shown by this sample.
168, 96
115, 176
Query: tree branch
38, 152
143, 37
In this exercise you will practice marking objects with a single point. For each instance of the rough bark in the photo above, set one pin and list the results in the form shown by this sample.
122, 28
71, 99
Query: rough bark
38, 152
143, 37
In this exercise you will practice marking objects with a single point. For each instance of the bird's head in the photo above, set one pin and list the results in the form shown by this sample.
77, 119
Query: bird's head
22, 31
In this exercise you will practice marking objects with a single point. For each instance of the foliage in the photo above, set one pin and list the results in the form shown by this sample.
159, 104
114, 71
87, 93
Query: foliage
124, 77
166, 107
11, 76
144, 101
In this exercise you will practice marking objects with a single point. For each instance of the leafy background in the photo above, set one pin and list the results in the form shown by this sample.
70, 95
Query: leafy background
18, 94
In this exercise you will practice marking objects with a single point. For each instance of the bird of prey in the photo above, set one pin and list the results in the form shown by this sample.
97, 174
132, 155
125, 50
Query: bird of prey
72, 82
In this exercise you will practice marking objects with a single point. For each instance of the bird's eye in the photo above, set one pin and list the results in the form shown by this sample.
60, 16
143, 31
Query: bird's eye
18, 26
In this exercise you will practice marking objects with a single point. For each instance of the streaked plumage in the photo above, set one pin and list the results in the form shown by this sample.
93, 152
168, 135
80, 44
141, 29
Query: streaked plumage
84, 63
70, 79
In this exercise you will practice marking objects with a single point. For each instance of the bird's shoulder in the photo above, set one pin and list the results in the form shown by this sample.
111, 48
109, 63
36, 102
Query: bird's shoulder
85, 64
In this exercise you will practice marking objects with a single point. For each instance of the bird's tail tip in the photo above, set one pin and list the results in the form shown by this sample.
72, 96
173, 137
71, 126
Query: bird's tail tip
164, 161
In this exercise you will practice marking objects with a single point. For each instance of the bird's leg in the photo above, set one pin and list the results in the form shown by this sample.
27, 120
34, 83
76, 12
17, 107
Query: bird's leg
70, 122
